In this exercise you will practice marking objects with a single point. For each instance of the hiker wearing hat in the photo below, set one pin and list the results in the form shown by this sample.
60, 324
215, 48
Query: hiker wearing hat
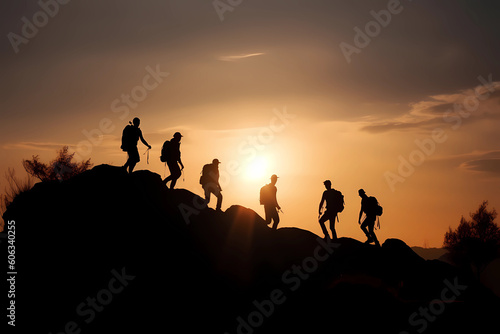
130, 137
171, 154
334, 204
209, 180
371, 208
268, 199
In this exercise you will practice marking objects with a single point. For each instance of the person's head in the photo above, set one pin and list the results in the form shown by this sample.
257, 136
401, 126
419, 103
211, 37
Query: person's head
361, 193
216, 162
177, 136
274, 178
136, 121
328, 184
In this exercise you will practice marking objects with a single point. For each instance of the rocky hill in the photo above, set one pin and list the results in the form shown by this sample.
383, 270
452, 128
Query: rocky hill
108, 252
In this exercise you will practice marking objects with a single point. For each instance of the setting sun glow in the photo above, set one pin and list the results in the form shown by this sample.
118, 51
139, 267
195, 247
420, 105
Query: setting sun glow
257, 168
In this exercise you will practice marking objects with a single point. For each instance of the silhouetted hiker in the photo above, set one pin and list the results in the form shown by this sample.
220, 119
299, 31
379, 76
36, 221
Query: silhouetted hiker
371, 208
130, 136
209, 180
268, 199
334, 204
171, 154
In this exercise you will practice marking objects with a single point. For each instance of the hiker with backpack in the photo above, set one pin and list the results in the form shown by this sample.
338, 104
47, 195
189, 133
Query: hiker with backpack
334, 205
371, 208
209, 181
130, 137
268, 199
171, 155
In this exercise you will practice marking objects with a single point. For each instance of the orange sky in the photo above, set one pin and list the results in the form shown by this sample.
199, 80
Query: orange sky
268, 91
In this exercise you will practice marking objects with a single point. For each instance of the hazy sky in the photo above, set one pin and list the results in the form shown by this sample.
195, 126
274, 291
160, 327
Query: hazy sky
399, 98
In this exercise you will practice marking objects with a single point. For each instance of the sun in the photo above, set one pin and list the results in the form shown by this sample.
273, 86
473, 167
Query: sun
257, 168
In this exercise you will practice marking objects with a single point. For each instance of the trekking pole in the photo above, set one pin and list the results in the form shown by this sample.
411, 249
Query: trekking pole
147, 151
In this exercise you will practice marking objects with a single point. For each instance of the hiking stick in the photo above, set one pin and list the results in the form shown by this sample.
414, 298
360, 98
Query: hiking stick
147, 151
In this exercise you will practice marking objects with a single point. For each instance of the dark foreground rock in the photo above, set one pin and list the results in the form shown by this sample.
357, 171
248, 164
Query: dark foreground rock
107, 252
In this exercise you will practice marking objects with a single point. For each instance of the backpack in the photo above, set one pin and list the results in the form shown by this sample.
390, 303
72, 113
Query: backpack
205, 174
129, 137
372, 207
336, 203
165, 151
265, 195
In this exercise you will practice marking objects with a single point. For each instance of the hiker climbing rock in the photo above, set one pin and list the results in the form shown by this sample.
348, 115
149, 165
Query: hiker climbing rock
209, 180
371, 208
334, 205
130, 136
171, 154
268, 199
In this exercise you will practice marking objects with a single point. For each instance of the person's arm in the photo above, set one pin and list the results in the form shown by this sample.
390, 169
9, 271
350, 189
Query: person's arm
143, 140
360, 213
180, 161
217, 180
276, 199
321, 203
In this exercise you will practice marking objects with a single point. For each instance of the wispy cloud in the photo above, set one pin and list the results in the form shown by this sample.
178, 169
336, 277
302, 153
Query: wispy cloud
428, 113
38, 146
488, 162
107, 141
239, 57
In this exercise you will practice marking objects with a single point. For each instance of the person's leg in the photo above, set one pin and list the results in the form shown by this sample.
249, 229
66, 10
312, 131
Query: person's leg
171, 169
322, 221
174, 181
332, 226
364, 227
371, 229
207, 195
268, 213
131, 167
176, 174
128, 161
218, 194
276, 219
133, 159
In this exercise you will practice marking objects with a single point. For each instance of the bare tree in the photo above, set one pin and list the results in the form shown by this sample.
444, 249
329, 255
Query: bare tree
61, 168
